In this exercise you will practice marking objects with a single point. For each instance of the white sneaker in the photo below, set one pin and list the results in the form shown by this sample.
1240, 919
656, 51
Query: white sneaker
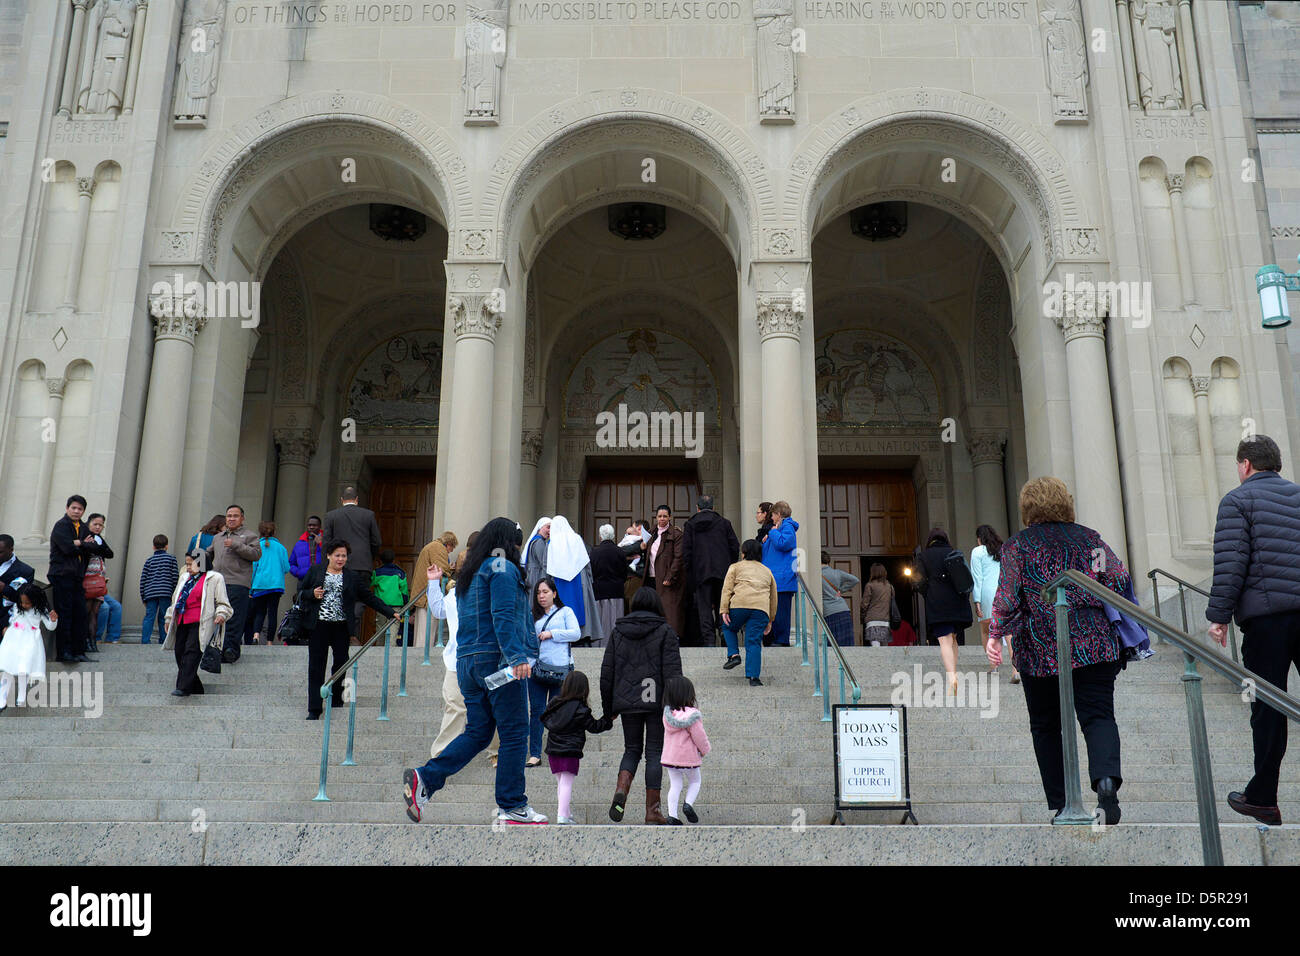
415, 794
522, 815
564, 821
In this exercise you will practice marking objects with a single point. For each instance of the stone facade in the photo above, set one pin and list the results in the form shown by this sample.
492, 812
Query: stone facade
1073, 292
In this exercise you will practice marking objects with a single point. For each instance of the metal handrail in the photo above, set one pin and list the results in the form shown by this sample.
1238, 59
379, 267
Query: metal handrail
821, 669
1183, 587
1193, 651
326, 689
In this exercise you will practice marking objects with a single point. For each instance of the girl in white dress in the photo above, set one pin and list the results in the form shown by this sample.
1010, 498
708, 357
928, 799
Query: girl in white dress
22, 652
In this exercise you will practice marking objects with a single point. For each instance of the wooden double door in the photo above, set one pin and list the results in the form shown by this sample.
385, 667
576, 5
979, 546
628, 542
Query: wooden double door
618, 498
403, 505
868, 516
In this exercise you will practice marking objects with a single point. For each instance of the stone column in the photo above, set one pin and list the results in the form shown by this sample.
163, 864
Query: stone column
985, 447
1191, 67
53, 413
72, 278
133, 66
1098, 494
177, 320
475, 317
530, 453
779, 326
296, 445
78, 35
1126, 53
1205, 436
1181, 246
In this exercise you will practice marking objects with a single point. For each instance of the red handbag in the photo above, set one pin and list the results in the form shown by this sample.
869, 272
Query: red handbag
95, 585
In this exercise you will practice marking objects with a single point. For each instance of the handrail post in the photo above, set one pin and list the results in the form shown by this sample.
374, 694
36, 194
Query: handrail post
428, 635
407, 634
1073, 812
324, 747
824, 637
1155, 598
383, 691
352, 720
842, 694
803, 623
1232, 639
1206, 811
819, 684
1182, 602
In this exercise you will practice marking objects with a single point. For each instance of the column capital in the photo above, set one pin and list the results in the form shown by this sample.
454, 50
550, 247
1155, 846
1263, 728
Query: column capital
55, 386
79, 6
86, 186
297, 445
531, 447
476, 314
780, 314
176, 317
1200, 385
985, 445
1174, 182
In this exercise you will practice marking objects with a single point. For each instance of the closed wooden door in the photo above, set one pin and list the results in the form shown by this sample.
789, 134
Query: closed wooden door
403, 505
866, 515
618, 498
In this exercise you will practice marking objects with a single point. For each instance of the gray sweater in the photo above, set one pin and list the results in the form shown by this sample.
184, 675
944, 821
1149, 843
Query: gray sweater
834, 582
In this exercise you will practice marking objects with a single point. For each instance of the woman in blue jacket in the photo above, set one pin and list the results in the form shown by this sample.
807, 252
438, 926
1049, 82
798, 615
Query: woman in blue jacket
495, 631
266, 587
779, 558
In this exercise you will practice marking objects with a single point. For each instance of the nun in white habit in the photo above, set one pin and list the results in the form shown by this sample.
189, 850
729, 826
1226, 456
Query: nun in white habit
568, 562
533, 557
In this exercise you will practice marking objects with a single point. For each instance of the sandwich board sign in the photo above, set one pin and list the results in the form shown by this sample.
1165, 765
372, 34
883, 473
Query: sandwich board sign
871, 759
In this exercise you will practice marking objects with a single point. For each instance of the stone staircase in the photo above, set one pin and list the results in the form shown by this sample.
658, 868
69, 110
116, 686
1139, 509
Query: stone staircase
230, 776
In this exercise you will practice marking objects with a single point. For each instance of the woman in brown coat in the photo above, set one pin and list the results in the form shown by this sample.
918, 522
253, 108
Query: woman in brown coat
664, 568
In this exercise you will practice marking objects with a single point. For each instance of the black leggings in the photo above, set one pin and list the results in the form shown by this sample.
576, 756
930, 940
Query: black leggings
263, 607
643, 731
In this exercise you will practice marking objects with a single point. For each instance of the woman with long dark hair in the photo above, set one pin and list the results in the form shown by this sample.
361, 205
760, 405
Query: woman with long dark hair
947, 610
642, 654
557, 628
494, 632
985, 566
1050, 544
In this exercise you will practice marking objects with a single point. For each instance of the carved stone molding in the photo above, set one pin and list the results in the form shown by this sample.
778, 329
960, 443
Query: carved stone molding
476, 314
1200, 385
86, 186
289, 324
297, 445
55, 386
531, 447
1076, 326
779, 314
1175, 182
985, 446
180, 326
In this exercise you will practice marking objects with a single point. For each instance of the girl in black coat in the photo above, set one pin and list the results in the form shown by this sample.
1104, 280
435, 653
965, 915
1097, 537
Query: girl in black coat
947, 611
568, 720
328, 596
642, 654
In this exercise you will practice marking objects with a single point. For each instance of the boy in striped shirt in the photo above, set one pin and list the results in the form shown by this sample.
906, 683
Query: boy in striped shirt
157, 582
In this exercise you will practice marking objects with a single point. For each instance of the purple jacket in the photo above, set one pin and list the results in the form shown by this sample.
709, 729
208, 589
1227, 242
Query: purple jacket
300, 561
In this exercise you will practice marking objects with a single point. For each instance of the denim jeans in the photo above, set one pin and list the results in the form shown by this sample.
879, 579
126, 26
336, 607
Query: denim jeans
753, 622
539, 695
505, 711
108, 625
155, 609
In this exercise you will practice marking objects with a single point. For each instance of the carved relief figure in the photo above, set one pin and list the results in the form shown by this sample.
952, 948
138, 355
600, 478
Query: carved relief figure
103, 76
647, 371
398, 383
1067, 59
485, 57
775, 55
196, 79
864, 377
1160, 78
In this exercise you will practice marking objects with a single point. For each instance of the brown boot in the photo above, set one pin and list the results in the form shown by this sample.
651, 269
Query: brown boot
620, 795
652, 814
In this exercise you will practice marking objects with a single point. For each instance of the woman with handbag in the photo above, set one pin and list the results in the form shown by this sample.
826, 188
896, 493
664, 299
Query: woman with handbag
878, 607
195, 620
1051, 544
95, 585
328, 597
556, 627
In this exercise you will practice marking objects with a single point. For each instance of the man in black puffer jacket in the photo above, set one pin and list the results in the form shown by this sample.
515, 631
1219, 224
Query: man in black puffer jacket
641, 656
1257, 580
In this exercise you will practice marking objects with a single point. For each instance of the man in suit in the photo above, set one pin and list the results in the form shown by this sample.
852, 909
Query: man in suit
709, 548
357, 526
71, 545
13, 575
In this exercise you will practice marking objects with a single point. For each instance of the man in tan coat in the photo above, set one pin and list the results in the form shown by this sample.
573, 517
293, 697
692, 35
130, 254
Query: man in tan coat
436, 552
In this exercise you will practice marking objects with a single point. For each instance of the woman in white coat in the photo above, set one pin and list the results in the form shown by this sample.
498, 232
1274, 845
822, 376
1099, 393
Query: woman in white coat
199, 609
985, 568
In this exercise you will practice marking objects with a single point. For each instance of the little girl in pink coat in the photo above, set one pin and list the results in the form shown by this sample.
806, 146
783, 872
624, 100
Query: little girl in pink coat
685, 744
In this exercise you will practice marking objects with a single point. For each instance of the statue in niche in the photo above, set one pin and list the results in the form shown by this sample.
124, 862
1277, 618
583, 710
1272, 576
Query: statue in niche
103, 75
1160, 76
199, 58
1067, 59
774, 20
485, 58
